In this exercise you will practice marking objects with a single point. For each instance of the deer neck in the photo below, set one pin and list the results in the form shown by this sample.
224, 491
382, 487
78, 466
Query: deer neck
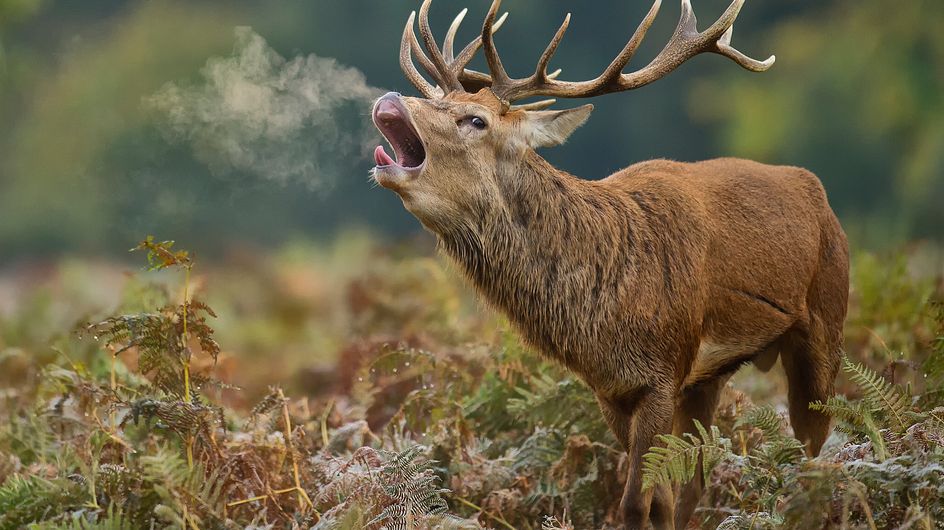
540, 253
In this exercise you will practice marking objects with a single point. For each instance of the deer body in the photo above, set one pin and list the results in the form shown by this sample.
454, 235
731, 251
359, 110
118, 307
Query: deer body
654, 284
661, 256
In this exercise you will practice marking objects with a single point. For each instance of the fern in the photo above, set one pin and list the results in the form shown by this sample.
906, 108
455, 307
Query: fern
755, 521
113, 519
183, 489
855, 419
539, 404
764, 418
161, 254
677, 461
883, 397
538, 451
413, 487
29, 499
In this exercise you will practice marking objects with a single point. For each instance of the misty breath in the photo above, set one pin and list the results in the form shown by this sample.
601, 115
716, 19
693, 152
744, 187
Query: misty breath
255, 112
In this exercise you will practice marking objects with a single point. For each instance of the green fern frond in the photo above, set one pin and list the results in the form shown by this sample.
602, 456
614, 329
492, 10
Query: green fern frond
855, 419
764, 418
31, 499
842, 409
113, 519
883, 397
677, 461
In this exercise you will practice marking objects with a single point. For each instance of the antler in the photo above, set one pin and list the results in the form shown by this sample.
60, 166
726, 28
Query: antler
685, 43
448, 71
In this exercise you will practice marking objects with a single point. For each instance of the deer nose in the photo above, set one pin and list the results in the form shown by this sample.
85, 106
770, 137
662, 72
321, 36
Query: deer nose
387, 107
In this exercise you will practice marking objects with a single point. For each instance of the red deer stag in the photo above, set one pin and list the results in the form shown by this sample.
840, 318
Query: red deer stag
654, 284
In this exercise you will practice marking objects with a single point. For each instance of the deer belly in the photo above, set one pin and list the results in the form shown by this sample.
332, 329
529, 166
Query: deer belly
714, 359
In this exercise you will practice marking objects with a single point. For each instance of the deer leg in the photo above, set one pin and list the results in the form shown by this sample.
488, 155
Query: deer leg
811, 362
812, 352
636, 417
697, 402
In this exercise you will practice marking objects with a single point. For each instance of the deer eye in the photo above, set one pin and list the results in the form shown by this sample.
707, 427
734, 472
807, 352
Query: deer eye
474, 121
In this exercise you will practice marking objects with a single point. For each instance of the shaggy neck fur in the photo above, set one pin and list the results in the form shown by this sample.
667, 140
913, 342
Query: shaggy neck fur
557, 254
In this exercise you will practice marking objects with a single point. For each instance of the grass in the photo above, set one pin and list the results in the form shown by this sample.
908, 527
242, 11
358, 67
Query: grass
355, 386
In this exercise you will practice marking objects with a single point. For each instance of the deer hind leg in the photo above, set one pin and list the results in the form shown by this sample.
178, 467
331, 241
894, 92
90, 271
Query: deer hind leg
697, 402
811, 369
636, 418
812, 351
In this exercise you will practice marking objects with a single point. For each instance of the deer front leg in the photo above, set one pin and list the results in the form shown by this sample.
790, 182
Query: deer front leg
636, 417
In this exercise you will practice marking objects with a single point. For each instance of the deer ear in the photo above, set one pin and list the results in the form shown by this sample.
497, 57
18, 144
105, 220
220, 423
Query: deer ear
547, 128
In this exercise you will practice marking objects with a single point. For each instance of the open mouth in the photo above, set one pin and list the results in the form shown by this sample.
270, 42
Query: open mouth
390, 117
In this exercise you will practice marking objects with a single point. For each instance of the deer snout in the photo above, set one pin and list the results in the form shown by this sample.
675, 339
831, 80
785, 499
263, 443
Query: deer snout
392, 119
387, 107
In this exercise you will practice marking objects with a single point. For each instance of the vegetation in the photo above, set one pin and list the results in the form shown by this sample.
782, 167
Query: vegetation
431, 415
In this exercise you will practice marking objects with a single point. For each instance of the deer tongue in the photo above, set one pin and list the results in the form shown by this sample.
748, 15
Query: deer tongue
382, 158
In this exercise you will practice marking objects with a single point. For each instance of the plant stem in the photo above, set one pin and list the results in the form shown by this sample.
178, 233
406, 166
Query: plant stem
498, 518
186, 337
302, 495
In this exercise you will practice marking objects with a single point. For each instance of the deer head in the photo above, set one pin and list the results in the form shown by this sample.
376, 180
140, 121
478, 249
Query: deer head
454, 147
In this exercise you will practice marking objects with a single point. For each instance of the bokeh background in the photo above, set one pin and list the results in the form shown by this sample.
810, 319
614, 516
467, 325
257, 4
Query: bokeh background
217, 123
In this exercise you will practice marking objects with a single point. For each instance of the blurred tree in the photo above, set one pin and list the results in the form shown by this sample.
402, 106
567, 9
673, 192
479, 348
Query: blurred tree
857, 95
13, 10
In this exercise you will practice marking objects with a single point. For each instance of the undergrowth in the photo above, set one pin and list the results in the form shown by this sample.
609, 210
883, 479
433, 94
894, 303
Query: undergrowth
428, 421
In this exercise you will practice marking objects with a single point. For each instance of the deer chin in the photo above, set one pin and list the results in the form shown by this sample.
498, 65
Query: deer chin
393, 121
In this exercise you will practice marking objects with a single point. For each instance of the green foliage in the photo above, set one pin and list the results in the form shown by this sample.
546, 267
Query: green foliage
934, 364
882, 407
678, 461
885, 179
161, 254
25, 499
892, 479
888, 316
460, 427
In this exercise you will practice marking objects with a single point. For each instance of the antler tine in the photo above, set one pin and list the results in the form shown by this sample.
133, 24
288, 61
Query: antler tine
540, 72
537, 105
451, 36
449, 81
615, 69
468, 52
421, 56
407, 44
724, 48
500, 79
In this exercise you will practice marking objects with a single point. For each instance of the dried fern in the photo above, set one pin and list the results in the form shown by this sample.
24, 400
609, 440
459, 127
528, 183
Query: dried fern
414, 488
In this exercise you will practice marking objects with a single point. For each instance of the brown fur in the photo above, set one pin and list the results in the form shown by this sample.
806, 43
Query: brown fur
653, 284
